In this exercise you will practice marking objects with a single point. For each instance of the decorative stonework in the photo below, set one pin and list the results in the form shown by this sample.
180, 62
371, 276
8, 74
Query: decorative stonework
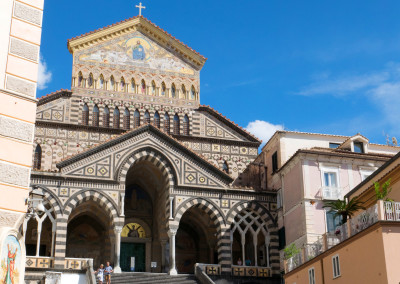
8, 219
14, 174
24, 49
16, 129
27, 13
21, 86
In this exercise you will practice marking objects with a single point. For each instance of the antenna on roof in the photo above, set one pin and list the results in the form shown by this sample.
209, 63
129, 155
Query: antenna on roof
394, 141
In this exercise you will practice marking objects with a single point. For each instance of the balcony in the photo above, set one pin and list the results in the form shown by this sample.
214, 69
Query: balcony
330, 193
382, 211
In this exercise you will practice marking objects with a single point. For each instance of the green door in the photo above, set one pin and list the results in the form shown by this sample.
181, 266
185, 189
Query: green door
129, 250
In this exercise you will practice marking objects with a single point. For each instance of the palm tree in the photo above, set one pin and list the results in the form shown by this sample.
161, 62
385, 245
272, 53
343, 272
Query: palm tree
344, 208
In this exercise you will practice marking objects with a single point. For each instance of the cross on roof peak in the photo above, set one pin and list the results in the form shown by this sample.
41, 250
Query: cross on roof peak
140, 8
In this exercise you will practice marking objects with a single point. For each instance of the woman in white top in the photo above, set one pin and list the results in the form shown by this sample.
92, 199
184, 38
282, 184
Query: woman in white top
100, 274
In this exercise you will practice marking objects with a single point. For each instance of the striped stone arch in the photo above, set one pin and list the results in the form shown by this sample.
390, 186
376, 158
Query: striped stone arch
204, 204
256, 207
104, 202
150, 155
54, 201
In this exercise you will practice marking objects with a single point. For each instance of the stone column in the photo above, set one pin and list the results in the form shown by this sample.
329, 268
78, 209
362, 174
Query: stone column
117, 230
224, 246
267, 241
163, 243
123, 203
243, 241
39, 234
61, 242
53, 238
171, 235
255, 249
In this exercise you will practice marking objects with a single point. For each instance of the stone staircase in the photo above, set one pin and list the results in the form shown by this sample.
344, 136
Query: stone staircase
154, 278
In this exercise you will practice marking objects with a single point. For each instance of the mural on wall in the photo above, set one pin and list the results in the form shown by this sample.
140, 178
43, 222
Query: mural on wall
133, 230
137, 51
10, 261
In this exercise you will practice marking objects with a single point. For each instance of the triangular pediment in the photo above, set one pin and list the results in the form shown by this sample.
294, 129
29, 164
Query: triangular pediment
103, 162
118, 42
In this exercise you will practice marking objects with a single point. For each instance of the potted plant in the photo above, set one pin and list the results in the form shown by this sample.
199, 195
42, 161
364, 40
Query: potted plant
343, 208
382, 191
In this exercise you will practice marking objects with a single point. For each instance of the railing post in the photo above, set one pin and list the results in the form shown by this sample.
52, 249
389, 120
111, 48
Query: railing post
325, 241
303, 255
381, 210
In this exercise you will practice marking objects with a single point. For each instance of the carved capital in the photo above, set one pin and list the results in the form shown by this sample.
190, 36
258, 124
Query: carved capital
118, 229
172, 232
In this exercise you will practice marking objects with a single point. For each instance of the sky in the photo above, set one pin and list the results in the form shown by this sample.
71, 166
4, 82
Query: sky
314, 66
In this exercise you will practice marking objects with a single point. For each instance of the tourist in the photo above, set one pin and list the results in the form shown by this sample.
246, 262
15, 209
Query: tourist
100, 274
248, 262
107, 272
239, 261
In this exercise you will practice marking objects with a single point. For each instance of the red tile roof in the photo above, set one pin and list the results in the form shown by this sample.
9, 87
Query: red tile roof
127, 20
53, 95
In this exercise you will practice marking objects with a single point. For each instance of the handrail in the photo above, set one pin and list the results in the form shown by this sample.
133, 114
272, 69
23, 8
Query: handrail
201, 275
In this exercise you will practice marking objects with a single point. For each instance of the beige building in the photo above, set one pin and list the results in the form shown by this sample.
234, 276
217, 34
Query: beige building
20, 33
364, 250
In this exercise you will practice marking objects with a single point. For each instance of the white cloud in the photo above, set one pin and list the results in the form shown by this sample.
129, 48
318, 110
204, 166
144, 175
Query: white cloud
44, 75
263, 129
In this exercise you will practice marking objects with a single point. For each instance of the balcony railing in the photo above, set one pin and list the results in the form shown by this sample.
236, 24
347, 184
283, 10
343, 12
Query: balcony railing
331, 193
383, 210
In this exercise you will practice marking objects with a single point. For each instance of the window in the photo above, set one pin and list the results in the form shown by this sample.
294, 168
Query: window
80, 79
90, 80
334, 145
176, 125
153, 88
136, 119
186, 125
282, 238
183, 90
133, 86
95, 116
330, 188
275, 162
85, 115
332, 221
101, 82
225, 167
279, 201
358, 147
143, 87
192, 93
147, 117
365, 173
156, 119
112, 84
336, 266
166, 123
116, 118
127, 119
122, 85
37, 160
163, 89
311, 276
106, 117
173, 91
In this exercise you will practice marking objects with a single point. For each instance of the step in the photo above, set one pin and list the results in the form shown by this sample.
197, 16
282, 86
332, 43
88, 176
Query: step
154, 278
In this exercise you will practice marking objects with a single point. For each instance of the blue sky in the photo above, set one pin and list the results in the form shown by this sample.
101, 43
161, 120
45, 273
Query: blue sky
315, 66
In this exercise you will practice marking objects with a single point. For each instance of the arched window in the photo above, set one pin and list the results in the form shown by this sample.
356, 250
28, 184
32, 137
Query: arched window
225, 167
143, 87
101, 82
186, 125
156, 119
133, 86
166, 123
153, 88
147, 117
112, 84
136, 119
173, 91
80, 79
163, 89
116, 118
90, 80
106, 117
127, 119
176, 125
183, 90
95, 116
192, 93
85, 115
122, 85
37, 160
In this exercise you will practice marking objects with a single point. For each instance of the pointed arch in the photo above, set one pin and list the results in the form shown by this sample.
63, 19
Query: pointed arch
173, 91
95, 116
90, 81
112, 83
156, 120
166, 123
101, 84
37, 160
186, 125
136, 119
106, 117
116, 118
143, 87
163, 89
80, 79
147, 117
85, 114
192, 93
133, 86
183, 91
122, 85
127, 119
177, 125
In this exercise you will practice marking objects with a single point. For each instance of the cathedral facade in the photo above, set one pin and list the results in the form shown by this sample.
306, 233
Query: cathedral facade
130, 164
